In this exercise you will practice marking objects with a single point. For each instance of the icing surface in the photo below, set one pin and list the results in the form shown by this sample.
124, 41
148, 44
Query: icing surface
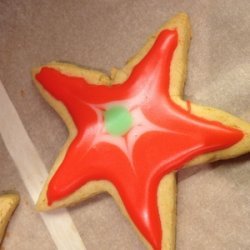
157, 136
117, 120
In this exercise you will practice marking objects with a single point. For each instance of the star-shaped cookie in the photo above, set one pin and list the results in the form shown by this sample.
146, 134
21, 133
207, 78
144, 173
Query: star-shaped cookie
8, 204
129, 132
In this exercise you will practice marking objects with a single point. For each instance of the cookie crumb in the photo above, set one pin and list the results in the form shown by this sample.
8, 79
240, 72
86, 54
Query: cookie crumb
22, 92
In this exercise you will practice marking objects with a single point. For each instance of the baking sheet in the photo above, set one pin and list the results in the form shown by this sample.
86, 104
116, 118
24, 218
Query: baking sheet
213, 200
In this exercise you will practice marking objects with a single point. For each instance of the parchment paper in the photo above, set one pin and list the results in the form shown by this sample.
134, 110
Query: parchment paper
213, 200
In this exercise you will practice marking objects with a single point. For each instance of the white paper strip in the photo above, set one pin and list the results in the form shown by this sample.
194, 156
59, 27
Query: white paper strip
34, 173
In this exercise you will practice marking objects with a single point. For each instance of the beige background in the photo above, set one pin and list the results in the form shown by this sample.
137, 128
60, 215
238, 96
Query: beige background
213, 200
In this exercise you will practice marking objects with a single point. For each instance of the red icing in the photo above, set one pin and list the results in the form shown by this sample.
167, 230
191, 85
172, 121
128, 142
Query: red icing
163, 138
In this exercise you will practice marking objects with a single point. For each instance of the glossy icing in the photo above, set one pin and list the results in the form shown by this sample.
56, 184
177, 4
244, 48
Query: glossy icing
161, 138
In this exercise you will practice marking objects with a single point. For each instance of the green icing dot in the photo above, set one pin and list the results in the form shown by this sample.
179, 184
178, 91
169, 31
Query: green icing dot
117, 120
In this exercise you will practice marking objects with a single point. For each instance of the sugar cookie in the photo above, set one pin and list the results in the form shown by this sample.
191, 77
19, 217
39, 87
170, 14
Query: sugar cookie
8, 204
129, 132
